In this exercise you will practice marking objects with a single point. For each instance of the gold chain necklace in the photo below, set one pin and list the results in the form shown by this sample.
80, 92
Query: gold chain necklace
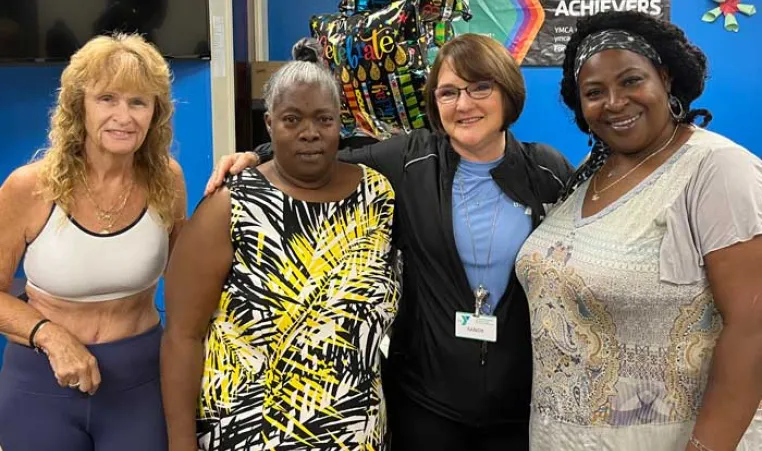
596, 192
107, 217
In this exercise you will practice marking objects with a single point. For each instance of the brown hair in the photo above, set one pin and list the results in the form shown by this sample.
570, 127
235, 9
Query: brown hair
121, 61
476, 57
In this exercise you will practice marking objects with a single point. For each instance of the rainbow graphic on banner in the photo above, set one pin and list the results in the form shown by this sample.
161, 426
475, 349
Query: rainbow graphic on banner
515, 23
530, 17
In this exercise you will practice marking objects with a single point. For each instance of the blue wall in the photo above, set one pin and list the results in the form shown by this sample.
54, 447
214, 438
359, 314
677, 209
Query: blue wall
289, 21
28, 93
731, 93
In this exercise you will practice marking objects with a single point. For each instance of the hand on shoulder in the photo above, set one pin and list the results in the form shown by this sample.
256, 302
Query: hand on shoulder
230, 164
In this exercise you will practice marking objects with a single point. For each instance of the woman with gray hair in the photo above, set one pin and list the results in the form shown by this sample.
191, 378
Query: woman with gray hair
280, 290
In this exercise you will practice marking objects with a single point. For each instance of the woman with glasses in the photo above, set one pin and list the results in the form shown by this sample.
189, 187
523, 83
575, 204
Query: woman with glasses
468, 194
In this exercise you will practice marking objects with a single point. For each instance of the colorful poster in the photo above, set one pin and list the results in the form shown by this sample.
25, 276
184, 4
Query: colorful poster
536, 31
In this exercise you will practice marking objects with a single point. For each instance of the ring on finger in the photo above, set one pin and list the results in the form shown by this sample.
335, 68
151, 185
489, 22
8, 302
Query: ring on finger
74, 385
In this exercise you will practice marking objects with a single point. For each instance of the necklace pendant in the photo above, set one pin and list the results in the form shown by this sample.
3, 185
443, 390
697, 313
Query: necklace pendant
480, 295
595, 197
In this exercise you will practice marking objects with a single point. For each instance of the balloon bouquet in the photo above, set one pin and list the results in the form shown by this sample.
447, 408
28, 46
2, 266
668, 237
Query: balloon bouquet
380, 52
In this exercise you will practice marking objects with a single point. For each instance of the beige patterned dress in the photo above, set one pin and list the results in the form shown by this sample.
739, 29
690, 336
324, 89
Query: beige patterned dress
623, 320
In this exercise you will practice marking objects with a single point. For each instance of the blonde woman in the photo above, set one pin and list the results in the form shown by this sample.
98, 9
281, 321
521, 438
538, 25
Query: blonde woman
96, 216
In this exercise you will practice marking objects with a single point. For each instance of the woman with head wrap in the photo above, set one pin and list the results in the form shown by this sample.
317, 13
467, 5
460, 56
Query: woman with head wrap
643, 285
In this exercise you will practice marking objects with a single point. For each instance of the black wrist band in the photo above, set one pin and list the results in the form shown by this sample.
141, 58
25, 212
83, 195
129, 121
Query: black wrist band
35, 329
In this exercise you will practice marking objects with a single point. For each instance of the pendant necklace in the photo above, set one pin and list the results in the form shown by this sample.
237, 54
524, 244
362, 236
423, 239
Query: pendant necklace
596, 192
108, 217
481, 294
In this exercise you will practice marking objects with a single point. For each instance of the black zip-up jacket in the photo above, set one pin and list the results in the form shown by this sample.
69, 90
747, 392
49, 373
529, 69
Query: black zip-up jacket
471, 382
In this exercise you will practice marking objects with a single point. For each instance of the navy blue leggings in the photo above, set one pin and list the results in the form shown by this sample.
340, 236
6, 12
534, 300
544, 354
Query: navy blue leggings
125, 414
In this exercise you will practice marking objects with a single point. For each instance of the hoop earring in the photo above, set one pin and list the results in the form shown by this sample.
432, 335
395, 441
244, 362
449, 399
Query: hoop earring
676, 109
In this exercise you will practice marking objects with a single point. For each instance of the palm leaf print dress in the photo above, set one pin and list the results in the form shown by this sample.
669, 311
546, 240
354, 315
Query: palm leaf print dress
292, 352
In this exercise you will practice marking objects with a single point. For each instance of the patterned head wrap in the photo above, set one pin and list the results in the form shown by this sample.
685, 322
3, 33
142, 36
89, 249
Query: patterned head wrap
613, 39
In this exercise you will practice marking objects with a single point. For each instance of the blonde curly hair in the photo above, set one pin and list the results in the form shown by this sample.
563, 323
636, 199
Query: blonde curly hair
123, 62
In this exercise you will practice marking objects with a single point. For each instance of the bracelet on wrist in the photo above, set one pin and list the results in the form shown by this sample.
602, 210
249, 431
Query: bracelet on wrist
37, 327
698, 445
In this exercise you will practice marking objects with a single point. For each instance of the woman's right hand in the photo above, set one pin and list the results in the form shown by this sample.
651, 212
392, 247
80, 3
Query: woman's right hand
230, 164
73, 365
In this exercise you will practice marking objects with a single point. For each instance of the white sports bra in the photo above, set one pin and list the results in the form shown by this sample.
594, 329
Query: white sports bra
69, 262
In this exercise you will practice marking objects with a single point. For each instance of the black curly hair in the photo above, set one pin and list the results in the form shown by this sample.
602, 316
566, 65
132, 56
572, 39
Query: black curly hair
685, 64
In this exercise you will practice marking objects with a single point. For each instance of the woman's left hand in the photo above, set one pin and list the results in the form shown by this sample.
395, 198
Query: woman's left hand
230, 164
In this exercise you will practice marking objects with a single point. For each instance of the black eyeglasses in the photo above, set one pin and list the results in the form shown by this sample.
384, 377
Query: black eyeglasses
477, 91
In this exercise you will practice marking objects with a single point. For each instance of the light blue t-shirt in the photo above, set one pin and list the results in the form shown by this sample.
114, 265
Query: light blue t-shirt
473, 188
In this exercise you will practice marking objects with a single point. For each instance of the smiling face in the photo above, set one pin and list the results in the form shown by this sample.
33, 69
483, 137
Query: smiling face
624, 100
471, 124
117, 121
304, 126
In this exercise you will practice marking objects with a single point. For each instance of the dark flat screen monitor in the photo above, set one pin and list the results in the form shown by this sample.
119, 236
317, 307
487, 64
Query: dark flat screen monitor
51, 30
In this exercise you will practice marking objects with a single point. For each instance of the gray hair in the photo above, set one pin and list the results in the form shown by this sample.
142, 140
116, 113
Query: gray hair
296, 73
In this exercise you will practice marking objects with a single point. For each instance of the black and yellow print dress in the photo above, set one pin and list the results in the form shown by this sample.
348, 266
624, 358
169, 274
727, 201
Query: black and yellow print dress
292, 352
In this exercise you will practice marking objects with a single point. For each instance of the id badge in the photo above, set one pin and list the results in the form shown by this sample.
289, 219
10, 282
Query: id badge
472, 327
